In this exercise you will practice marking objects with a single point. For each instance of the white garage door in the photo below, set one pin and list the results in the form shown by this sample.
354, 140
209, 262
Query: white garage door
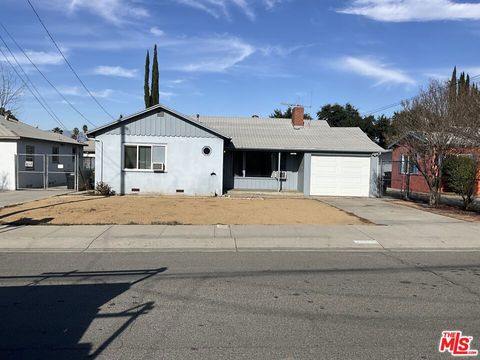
340, 176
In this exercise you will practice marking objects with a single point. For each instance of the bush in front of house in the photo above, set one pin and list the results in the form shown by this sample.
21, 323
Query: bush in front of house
102, 188
461, 177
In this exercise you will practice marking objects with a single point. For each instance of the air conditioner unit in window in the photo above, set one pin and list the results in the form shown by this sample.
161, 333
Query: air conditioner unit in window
281, 175
158, 167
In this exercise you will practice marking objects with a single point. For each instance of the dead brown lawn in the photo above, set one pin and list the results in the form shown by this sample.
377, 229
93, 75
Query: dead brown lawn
83, 210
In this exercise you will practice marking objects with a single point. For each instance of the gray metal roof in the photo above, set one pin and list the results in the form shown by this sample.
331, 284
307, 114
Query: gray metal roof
14, 129
279, 134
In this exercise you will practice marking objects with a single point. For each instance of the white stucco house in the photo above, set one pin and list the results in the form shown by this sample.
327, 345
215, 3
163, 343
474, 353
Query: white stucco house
31, 158
159, 150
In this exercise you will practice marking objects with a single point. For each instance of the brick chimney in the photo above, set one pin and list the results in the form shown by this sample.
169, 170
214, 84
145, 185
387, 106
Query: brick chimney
297, 115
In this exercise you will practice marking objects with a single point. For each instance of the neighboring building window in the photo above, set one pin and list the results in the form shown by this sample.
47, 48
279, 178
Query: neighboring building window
55, 155
140, 157
29, 158
407, 165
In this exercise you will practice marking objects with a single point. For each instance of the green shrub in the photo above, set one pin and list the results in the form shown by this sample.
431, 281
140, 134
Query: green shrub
461, 177
104, 189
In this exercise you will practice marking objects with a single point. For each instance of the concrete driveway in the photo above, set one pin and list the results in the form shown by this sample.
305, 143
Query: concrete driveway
386, 212
9, 198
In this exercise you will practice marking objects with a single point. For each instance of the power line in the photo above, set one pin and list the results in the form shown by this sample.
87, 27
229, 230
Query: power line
30, 81
386, 107
68, 63
29, 89
46, 79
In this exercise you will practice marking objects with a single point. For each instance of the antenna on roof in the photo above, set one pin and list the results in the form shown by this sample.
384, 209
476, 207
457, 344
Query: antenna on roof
295, 105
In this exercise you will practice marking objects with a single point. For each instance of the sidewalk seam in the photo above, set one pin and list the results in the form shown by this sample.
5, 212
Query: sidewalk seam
370, 237
91, 242
235, 243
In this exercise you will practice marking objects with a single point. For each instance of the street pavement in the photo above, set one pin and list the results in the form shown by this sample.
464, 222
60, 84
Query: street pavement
242, 305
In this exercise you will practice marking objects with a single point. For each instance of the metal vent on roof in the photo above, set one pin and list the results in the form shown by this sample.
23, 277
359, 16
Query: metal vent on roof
161, 114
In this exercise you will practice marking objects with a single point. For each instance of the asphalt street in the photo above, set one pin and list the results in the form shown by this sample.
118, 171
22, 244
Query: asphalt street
262, 305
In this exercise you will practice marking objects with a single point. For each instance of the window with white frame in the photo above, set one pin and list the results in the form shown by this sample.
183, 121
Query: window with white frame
141, 157
407, 165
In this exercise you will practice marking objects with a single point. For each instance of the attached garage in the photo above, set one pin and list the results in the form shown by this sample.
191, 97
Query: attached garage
340, 175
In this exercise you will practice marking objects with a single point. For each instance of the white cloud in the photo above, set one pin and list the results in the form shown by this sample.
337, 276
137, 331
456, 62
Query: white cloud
106, 93
167, 95
80, 92
38, 58
222, 8
156, 31
115, 71
270, 4
374, 69
216, 54
413, 10
114, 11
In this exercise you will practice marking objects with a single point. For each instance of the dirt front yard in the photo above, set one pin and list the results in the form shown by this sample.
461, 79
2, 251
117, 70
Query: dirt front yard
79, 209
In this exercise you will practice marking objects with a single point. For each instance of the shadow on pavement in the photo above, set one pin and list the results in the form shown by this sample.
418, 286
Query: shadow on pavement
47, 321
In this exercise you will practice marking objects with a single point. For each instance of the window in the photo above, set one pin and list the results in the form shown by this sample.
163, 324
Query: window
141, 157
144, 157
207, 150
130, 157
407, 165
55, 155
74, 153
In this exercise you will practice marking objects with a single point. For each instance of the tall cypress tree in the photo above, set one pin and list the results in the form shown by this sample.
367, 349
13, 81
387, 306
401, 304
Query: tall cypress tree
155, 92
146, 86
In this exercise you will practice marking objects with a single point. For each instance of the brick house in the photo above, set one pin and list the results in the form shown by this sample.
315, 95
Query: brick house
405, 175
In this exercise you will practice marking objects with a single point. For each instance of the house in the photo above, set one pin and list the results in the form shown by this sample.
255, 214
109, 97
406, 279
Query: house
89, 155
33, 158
406, 176
160, 150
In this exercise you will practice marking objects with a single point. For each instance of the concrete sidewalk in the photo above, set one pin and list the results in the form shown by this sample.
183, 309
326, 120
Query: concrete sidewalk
445, 236
10, 198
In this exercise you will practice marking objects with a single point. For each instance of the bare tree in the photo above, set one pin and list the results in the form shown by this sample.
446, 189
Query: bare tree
11, 89
434, 125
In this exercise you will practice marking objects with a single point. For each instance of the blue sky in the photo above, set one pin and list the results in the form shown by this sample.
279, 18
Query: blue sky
239, 57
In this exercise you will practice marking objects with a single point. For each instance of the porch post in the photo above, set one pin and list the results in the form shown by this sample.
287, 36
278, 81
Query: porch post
278, 174
244, 164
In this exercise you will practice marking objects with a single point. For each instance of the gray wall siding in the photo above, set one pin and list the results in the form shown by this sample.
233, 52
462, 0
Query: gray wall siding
374, 168
301, 175
166, 125
187, 168
307, 173
254, 183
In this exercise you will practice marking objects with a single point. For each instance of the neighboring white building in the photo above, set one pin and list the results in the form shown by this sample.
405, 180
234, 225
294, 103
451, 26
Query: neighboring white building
160, 150
33, 158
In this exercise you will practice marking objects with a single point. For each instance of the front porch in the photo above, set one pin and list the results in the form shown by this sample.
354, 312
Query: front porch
269, 171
